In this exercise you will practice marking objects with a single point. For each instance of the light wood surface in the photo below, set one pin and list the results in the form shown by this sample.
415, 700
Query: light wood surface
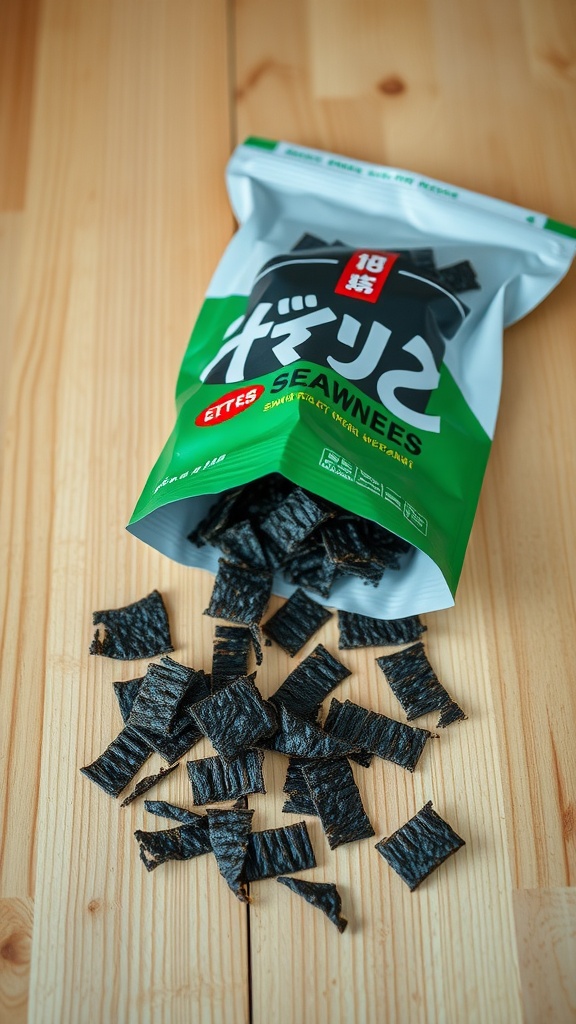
116, 121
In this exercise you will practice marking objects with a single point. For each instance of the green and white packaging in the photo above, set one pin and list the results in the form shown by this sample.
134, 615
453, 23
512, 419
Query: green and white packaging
364, 362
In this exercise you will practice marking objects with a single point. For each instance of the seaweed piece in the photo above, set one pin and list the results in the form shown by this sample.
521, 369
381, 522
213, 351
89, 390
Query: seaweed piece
145, 784
126, 695
230, 655
234, 718
349, 544
337, 800
184, 732
311, 568
387, 548
295, 518
415, 684
240, 594
298, 737
363, 631
296, 788
229, 832
213, 779
219, 517
158, 700
181, 843
241, 544
323, 895
138, 630
165, 810
119, 763
296, 621
278, 851
420, 846
459, 277
388, 739
303, 691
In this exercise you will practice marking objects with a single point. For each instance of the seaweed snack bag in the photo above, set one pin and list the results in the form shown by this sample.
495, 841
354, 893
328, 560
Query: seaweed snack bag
351, 341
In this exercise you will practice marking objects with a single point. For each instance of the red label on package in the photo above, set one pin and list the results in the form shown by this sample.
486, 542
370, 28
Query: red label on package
364, 275
229, 405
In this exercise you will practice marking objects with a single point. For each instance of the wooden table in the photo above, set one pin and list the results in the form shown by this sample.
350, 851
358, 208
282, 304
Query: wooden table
117, 118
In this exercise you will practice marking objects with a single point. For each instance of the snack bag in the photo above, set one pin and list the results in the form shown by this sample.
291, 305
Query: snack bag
351, 341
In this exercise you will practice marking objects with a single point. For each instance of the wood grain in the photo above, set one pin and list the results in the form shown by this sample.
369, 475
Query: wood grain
116, 121
546, 928
15, 952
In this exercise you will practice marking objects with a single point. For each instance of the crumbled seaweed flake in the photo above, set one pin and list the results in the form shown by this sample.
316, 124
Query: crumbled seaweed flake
311, 568
303, 691
241, 804
323, 895
420, 846
298, 737
459, 277
415, 684
278, 851
388, 739
145, 784
230, 654
451, 712
296, 788
126, 695
337, 800
293, 520
120, 762
296, 621
235, 718
363, 631
240, 594
181, 843
166, 810
240, 543
256, 636
229, 832
139, 630
213, 779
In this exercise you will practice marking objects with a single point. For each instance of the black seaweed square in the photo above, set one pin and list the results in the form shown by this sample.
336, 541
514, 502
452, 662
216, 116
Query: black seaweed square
364, 631
420, 846
138, 630
234, 718
213, 779
240, 594
337, 800
278, 851
296, 621
303, 691
415, 684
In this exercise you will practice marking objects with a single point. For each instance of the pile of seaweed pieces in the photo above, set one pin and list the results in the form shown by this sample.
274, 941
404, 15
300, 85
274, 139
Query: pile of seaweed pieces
173, 706
273, 526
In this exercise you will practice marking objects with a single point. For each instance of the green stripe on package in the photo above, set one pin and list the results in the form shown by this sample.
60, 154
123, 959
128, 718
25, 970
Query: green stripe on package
351, 340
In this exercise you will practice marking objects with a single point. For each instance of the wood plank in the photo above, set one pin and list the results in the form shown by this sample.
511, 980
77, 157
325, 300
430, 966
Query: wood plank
18, 31
546, 929
517, 751
123, 222
551, 42
15, 947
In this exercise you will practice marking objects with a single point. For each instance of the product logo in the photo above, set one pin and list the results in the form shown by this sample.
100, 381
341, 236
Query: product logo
229, 405
304, 307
